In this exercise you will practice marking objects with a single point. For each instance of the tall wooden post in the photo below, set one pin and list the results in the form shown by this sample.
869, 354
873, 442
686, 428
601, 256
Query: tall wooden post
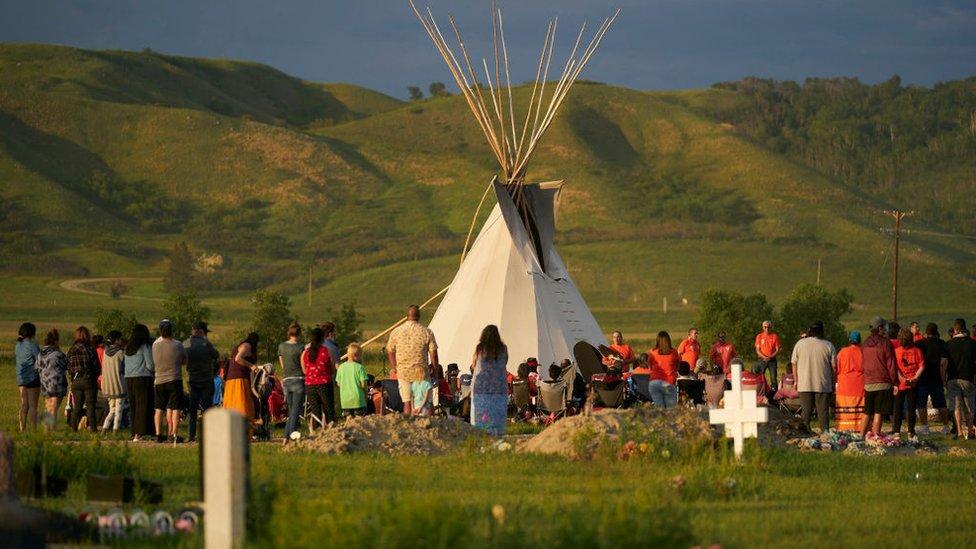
898, 215
309, 285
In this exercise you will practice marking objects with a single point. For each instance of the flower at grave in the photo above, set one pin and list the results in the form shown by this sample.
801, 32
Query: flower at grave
628, 449
643, 447
678, 482
498, 512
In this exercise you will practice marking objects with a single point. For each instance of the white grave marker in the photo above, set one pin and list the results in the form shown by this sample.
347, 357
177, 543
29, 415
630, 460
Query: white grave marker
225, 478
740, 415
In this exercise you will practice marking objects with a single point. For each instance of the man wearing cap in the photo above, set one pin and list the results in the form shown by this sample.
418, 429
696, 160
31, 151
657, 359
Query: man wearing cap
849, 396
767, 347
961, 374
931, 385
201, 367
169, 356
815, 359
880, 377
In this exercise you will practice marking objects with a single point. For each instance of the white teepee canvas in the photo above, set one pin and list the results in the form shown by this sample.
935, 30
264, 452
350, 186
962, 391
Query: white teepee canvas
502, 281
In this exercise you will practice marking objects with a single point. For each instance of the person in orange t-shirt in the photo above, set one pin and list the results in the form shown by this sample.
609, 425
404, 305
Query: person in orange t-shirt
911, 364
663, 359
722, 353
767, 347
917, 334
849, 409
626, 353
690, 349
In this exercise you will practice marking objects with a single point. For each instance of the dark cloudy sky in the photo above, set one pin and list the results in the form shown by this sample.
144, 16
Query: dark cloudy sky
655, 44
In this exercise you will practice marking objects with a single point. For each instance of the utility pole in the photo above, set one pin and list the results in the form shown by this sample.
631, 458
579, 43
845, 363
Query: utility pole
897, 215
309, 285
818, 271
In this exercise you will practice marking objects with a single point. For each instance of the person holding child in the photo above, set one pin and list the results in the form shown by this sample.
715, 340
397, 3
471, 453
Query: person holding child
351, 378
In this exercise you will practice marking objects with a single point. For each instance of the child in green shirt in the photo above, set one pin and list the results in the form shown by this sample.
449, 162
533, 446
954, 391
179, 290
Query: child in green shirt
351, 378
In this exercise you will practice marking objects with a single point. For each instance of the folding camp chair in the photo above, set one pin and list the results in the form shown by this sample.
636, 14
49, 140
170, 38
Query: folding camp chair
608, 390
522, 400
639, 385
552, 397
391, 396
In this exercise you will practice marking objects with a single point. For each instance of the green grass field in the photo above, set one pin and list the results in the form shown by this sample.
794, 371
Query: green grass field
775, 496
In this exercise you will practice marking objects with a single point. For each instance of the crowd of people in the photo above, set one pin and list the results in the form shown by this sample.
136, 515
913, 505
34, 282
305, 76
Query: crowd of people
150, 384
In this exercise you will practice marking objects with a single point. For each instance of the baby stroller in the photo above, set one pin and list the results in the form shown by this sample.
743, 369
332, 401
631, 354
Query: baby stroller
262, 386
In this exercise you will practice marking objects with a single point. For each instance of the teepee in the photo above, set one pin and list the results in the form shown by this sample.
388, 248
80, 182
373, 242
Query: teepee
512, 276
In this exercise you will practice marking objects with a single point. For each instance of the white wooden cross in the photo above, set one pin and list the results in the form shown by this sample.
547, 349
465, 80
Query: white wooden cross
740, 414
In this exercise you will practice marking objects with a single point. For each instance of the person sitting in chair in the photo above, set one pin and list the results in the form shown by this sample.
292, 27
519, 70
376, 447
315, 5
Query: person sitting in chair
787, 385
690, 388
756, 379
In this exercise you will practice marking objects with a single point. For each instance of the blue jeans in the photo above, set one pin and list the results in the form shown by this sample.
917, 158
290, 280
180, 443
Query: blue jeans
663, 394
771, 366
294, 389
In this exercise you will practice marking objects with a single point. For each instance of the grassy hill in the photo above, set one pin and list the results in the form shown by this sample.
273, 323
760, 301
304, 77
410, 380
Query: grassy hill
107, 159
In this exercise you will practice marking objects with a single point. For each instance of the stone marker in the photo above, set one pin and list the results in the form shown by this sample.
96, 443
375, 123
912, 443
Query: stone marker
740, 415
225, 478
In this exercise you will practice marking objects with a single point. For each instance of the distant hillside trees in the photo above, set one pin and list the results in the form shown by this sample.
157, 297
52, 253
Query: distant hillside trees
107, 320
878, 138
415, 93
183, 309
438, 89
181, 275
272, 315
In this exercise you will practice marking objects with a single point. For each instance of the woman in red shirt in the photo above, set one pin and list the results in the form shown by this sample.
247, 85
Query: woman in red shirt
910, 363
319, 380
663, 360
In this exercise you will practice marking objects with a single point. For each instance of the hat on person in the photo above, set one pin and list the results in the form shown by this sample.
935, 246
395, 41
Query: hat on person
877, 322
202, 326
532, 361
855, 336
165, 324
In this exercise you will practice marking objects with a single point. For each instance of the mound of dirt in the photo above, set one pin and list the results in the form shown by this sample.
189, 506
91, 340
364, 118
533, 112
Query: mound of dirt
390, 434
580, 435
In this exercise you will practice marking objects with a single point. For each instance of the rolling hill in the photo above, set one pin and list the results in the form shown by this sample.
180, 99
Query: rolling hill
107, 159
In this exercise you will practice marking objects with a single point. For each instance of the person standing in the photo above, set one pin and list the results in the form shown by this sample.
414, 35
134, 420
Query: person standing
489, 388
815, 359
911, 365
351, 378
26, 352
932, 383
52, 367
849, 409
83, 368
722, 353
330, 333
201, 366
880, 377
237, 378
961, 375
113, 374
292, 377
663, 359
767, 347
411, 349
690, 349
169, 356
916, 331
319, 380
139, 372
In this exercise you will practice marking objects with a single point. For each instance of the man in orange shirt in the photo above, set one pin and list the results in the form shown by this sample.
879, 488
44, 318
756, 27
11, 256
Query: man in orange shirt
626, 354
722, 353
767, 347
690, 348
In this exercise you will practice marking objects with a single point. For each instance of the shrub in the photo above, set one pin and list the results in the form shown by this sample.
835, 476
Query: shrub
272, 315
740, 316
183, 309
107, 320
347, 322
808, 303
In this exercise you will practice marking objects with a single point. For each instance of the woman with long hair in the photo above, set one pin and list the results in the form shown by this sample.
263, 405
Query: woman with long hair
52, 367
237, 378
489, 384
911, 364
139, 375
663, 359
319, 379
83, 369
28, 382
